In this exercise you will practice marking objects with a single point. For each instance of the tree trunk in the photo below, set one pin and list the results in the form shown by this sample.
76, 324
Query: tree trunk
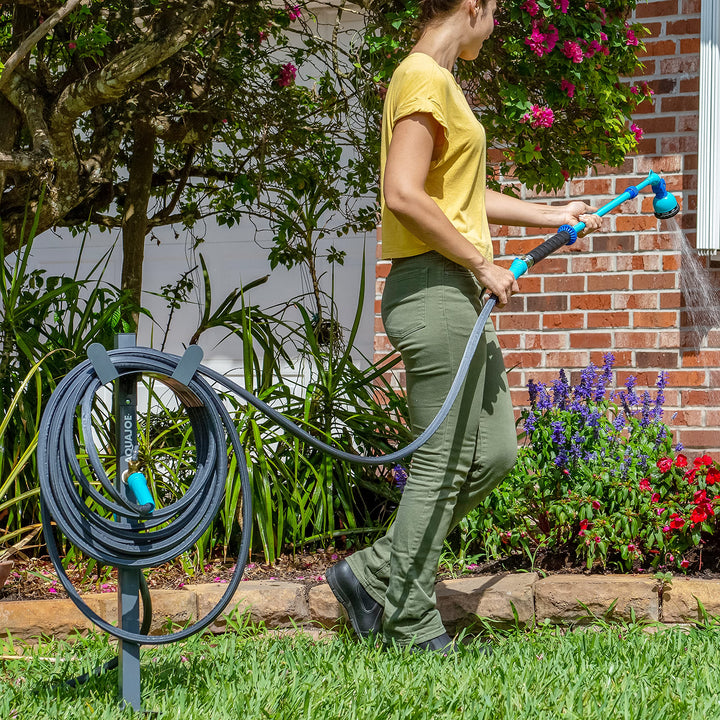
134, 220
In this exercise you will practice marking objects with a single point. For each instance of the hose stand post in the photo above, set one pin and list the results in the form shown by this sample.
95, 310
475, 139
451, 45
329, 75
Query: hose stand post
125, 406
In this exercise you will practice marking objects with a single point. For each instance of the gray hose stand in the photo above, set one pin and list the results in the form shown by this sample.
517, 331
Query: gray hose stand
125, 410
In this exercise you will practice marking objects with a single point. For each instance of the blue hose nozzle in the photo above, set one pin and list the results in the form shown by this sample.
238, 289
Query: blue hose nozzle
665, 204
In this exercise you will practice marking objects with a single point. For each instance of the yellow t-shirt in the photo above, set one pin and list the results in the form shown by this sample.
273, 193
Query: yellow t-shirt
456, 179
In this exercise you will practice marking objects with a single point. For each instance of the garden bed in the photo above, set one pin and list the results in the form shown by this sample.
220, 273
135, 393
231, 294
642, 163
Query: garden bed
36, 579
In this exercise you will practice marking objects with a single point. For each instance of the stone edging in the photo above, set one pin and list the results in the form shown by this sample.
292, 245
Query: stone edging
501, 599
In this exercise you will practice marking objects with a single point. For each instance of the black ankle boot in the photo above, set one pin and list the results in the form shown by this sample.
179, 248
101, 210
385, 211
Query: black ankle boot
365, 614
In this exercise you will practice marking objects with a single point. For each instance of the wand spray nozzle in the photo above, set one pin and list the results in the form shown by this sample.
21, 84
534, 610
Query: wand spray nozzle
665, 205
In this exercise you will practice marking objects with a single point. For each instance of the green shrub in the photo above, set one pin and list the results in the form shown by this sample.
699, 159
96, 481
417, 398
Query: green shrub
599, 481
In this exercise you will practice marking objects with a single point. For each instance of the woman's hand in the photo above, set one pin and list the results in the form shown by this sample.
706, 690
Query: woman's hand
496, 280
576, 212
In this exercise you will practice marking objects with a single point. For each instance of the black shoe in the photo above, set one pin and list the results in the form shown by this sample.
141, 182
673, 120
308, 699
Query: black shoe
365, 614
442, 644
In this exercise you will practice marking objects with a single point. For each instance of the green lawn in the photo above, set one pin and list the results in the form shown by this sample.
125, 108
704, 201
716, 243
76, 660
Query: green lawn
606, 673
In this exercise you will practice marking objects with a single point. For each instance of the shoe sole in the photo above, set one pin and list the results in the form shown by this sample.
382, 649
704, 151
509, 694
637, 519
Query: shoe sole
344, 601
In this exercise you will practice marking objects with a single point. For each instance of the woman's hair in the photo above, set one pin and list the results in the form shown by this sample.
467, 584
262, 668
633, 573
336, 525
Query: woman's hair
431, 9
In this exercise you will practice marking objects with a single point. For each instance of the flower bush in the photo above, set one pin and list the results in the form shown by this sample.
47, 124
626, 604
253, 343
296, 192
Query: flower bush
599, 481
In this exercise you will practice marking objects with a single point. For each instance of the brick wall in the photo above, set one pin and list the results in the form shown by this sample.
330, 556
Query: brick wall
622, 290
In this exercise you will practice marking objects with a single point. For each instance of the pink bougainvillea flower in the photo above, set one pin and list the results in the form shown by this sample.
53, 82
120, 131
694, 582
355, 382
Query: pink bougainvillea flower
542, 43
531, 7
568, 87
595, 504
293, 12
572, 51
632, 547
562, 6
655, 497
645, 484
666, 529
71, 46
664, 464
637, 131
713, 476
631, 39
539, 117
287, 75
681, 461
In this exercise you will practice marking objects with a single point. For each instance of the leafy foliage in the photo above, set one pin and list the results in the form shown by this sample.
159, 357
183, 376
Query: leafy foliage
599, 481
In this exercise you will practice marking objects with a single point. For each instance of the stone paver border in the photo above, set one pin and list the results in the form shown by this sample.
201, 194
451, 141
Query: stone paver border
503, 599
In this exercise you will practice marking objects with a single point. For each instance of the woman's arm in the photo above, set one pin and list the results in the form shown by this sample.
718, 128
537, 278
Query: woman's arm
413, 143
507, 210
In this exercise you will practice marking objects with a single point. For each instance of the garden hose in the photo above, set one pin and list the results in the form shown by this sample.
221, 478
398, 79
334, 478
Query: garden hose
134, 536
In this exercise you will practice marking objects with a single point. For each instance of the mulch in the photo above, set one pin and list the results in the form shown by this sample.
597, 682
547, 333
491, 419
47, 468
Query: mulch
36, 579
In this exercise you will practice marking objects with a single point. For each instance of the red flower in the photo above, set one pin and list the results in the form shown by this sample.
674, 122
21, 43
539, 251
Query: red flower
655, 497
676, 522
681, 461
713, 476
595, 504
701, 513
690, 475
645, 484
703, 460
584, 524
684, 564
664, 464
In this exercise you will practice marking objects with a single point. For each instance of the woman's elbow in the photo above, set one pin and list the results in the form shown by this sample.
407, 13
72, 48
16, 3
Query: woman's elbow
398, 198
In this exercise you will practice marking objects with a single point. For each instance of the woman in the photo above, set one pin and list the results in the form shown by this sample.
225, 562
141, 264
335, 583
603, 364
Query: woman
435, 214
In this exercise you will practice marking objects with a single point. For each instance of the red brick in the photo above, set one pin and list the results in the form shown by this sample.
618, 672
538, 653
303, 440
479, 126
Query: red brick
382, 343
656, 9
654, 281
654, 359
547, 303
704, 358
690, 85
670, 300
690, 6
509, 341
590, 340
530, 284
689, 26
656, 319
593, 264
522, 359
699, 439
608, 281
613, 243
635, 339
566, 321
608, 320
663, 164
669, 339
671, 262
679, 143
658, 48
568, 359
622, 357
712, 418
546, 341
680, 104
635, 301
703, 397
564, 283
524, 321
635, 223
688, 378
591, 302
688, 418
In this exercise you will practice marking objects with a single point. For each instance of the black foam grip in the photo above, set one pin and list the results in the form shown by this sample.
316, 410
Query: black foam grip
549, 246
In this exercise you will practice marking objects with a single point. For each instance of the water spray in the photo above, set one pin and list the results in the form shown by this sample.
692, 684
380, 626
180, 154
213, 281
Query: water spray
125, 527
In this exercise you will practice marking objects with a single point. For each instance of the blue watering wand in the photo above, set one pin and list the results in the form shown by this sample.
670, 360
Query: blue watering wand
665, 206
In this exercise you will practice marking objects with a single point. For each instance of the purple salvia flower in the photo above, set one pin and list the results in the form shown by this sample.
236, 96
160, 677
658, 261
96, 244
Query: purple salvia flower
558, 434
648, 414
400, 476
605, 377
561, 390
530, 421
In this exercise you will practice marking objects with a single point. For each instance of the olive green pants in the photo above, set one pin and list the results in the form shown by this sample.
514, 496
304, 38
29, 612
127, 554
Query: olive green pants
429, 308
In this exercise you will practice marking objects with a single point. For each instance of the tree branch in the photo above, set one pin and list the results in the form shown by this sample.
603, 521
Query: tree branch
110, 83
20, 162
34, 38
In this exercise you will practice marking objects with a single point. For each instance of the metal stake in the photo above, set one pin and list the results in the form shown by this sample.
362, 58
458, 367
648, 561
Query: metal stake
128, 579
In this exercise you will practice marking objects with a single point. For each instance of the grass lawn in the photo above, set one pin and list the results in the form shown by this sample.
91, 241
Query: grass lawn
607, 672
